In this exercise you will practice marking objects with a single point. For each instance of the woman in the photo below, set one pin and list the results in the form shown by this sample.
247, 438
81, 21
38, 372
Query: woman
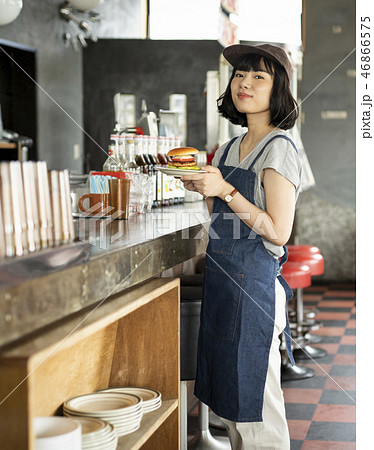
251, 191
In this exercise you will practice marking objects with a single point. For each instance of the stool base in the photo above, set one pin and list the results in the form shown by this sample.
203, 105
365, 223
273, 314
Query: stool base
313, 338
215, 421
308, 352
203, 440
290, 373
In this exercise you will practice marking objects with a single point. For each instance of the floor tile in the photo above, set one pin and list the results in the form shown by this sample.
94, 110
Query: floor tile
315, 382
300, 411
332, 339
337, 303
339, 294
351, 349
335, 413
351, 323
345, 383
325, 445
312, 296
336, 323
296, 445
350, 332
345, 358
302, 395
342, 371
348, 340
340, 309
333, 316
338, 397
330, 331
332, 431
298, 428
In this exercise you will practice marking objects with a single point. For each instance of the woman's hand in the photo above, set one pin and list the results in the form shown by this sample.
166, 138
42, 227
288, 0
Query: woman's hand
209, 184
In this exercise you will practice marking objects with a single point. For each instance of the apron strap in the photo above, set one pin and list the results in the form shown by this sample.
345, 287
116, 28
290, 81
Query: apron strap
267, 143
224, 156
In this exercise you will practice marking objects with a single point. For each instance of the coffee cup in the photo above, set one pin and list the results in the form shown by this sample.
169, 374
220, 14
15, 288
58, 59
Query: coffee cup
99, 204
119, 196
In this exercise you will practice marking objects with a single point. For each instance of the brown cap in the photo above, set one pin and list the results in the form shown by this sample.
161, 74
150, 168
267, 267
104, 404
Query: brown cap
273, 52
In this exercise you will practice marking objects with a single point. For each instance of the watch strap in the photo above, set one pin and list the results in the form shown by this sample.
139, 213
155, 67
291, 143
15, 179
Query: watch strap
231, 195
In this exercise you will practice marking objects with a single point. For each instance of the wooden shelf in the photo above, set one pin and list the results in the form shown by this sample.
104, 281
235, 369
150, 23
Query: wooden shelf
150, 423
131, 339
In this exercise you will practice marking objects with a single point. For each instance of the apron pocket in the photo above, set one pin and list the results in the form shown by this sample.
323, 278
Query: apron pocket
220, 308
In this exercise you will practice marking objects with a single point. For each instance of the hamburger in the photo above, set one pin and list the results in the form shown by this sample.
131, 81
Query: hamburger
182, 158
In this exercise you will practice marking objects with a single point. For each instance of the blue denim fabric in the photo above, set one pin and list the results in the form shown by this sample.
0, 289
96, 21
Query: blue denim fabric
238, 310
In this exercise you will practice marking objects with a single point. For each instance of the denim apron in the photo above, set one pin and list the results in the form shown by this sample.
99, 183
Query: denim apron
238, 308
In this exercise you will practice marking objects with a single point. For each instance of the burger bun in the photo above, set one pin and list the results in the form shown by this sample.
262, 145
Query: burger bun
181, 151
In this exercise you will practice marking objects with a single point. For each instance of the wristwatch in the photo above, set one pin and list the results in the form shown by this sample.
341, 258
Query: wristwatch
230, 196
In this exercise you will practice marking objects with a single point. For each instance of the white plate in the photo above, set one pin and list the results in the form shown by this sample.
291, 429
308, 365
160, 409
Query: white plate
102, 403
178, 172
91, 426
146, 394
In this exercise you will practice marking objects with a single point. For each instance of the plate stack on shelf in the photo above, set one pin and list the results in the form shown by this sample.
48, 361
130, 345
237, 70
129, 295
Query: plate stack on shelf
123, 411
151, 397
97, 434
57, 433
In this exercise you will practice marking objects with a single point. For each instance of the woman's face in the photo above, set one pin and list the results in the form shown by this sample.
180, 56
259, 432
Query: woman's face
251, 91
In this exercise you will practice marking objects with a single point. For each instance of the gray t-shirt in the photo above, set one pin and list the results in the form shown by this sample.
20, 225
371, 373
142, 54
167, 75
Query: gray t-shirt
279, 155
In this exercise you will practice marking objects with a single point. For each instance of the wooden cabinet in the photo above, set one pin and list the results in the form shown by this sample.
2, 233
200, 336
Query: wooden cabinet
129, 339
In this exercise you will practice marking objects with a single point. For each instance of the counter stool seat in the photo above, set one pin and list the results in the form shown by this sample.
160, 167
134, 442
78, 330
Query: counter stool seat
306, 249
298, 276
315, 262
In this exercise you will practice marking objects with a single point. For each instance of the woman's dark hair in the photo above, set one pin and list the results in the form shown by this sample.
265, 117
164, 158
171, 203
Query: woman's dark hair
283, 107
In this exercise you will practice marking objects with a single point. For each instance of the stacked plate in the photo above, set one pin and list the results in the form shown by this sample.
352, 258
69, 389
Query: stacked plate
151, 398
123, 411
97, 434
57, 433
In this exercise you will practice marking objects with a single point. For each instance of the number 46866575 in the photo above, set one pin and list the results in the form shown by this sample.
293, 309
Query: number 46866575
365, 47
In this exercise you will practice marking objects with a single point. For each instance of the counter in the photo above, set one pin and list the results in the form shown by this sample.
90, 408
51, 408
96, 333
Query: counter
108, 257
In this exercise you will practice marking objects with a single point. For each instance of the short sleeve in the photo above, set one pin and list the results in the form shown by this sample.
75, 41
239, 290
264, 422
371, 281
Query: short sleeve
282, 157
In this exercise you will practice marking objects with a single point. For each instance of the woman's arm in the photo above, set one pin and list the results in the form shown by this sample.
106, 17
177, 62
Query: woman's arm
274, 224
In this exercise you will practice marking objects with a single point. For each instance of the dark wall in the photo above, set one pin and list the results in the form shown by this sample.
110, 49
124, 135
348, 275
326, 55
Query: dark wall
151, 70
18, 91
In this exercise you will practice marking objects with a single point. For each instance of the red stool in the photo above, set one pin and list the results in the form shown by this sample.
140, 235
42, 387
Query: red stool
307, 249
315, 262
298, 276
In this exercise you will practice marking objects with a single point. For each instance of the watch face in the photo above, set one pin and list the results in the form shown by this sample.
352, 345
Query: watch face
228, 198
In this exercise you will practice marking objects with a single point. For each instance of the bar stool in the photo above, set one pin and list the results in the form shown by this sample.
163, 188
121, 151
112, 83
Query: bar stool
307, 250
315, 262
298, 276
191, 295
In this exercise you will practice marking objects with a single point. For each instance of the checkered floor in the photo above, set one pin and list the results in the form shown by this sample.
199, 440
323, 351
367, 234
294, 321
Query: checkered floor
321, 410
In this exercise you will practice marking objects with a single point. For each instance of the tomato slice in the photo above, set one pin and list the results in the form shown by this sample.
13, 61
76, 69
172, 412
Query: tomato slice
176, 159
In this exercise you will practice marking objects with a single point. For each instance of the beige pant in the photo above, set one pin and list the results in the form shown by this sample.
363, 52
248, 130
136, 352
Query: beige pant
272, 433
